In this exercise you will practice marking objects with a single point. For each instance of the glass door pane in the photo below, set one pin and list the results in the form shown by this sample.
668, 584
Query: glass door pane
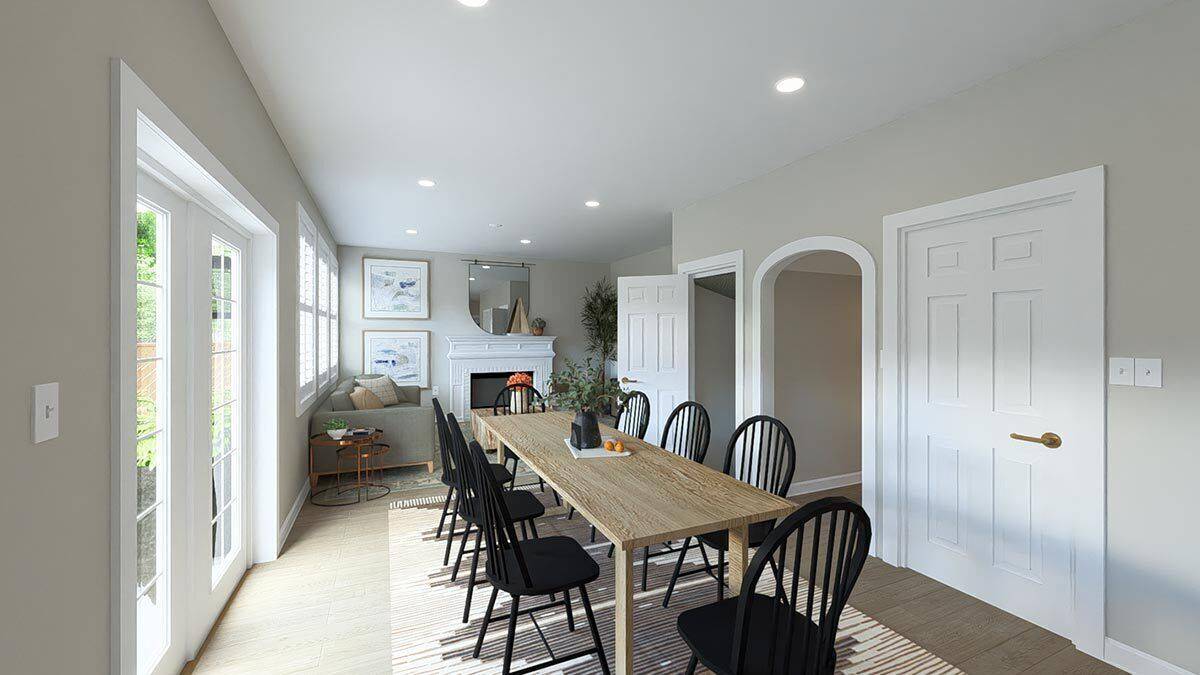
226, 404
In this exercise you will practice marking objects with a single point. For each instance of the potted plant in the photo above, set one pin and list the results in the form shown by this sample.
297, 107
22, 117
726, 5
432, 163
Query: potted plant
576, 387
538, 325
336, 428
599, 318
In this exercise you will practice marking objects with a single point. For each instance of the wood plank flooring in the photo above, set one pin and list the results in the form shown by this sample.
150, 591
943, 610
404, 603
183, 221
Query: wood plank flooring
323, 607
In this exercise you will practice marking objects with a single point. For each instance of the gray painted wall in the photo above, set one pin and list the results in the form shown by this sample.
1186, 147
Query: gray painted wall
818, 368
1128, 100
714, 373
555, 292
656, 261
55, 190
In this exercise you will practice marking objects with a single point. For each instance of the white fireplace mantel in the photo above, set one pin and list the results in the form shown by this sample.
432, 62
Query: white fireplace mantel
495, 354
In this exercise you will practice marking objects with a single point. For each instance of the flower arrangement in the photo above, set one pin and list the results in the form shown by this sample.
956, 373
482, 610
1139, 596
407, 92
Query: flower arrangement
538, 325
520, 379
336, 428
575, 387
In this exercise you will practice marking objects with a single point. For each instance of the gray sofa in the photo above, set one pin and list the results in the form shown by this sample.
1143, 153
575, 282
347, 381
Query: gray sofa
407, 426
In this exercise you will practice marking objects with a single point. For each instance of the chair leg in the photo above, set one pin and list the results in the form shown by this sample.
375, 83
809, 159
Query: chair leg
678, 566
571, 513
533, 528
593, 534
691, 669
570, 612
557, 500
524, 531
471, 581
612, 548
720, 574
645, 566
512, 632
450, 535
462, 547
445, 512
587, 608
487, 618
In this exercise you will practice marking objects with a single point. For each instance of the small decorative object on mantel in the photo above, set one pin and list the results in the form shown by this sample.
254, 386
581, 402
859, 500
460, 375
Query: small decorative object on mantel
518, 403
538, 326
336, 428
577, 388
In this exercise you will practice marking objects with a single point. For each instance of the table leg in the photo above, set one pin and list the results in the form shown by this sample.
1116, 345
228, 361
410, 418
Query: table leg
624, 611
739, 556
312, 477
500, 453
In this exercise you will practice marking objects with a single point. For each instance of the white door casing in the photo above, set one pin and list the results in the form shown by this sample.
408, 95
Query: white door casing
653, 342
994, 324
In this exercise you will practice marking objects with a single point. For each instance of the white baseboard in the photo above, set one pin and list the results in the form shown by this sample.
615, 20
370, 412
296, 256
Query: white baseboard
286, 528
804, 487
1137, 661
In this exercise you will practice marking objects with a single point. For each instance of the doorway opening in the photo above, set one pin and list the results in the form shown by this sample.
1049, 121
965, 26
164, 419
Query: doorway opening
714, 316
818, 367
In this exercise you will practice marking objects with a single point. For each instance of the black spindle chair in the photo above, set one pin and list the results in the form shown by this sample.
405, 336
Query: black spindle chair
505, 405
792, 629
763, 454
448, 477
633, 417
686, 434
530, 567
522, 507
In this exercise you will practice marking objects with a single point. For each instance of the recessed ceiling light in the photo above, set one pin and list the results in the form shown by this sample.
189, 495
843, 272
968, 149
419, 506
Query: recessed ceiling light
425, 182
470, 278
486, 267
473, 3
592, 204
789, 84
526, 241
495, 226
410, 231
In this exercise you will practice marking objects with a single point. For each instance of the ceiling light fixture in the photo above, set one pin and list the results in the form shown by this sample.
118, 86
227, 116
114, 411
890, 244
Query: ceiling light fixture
789, 84
495, 226
473, 3
592, 204
426, 183
486, 267
410, 231
526, 241
470, 278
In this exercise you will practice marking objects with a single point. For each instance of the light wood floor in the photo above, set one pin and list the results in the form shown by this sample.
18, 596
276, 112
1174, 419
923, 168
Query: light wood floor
323, 607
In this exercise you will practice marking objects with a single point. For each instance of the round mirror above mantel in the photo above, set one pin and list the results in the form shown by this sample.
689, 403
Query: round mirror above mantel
498, 296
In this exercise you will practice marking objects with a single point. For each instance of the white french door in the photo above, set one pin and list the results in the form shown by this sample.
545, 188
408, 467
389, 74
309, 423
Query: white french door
653, 342
191, 454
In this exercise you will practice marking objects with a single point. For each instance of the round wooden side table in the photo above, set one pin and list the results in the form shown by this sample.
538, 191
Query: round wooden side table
364, 450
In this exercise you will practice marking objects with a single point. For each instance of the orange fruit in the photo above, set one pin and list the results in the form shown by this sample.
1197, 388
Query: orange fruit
619, 447
608, 445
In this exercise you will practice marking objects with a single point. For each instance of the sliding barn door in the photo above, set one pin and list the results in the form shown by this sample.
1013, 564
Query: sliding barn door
653, 342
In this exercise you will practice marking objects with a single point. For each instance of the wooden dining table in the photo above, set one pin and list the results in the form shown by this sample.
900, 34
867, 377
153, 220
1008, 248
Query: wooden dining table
649, 497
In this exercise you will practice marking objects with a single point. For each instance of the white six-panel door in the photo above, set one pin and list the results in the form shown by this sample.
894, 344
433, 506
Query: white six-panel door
653, 342
1000, 318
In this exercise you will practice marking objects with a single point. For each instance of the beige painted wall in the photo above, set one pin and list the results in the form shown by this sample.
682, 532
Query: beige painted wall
656, 261
714, 374
55, 189
1128, 100
555, 292
818, 369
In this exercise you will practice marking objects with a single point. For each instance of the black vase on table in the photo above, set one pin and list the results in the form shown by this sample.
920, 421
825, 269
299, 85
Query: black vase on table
585, 431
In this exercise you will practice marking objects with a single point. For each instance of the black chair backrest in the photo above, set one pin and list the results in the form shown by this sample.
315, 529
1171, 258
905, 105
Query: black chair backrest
444, 440
459, 455
634, 414
762, 453
529, 400
495, 520
839, 534
687, 431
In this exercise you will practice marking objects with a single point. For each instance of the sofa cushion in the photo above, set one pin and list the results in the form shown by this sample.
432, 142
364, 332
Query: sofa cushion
365, 399
339, 400
409, 394
381, 386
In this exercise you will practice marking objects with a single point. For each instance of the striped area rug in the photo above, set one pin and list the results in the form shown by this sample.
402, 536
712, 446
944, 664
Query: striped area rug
428, 635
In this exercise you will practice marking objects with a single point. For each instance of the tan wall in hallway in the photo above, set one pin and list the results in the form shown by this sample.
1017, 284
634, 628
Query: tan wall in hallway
1127, 100
54, 191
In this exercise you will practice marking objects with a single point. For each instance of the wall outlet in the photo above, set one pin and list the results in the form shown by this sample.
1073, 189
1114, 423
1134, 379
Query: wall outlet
1120, 371
1148, 372
434, 391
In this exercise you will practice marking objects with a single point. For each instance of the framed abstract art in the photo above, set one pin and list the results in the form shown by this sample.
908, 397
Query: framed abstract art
395, 289
402, 355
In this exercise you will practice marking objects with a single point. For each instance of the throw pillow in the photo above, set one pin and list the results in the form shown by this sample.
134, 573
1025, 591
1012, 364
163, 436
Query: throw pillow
381, 386
365, 399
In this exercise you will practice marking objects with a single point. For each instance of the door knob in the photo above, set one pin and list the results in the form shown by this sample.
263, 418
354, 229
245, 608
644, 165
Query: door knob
626, 380
1048, 439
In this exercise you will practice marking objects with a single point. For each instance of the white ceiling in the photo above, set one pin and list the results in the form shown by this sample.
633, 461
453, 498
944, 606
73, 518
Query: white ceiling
523, 109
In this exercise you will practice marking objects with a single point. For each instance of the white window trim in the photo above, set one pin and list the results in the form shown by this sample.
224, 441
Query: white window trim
306, 392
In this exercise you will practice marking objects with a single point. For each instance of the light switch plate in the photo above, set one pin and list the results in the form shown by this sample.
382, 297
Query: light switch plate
1120, 371
435, 390
45, 412
1148, 372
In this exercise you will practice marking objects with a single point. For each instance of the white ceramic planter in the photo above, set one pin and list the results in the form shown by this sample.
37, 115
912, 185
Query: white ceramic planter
336, 434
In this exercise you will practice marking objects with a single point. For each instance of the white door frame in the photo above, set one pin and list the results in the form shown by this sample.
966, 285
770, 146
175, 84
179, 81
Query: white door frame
145, 133
762, 369
1086, 188
722, 263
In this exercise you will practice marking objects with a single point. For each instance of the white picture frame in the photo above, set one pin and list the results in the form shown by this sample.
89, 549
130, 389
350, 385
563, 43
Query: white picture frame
402, 355
395, 289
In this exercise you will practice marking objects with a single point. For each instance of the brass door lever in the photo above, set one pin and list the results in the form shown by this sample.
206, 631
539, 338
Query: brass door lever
1048, 439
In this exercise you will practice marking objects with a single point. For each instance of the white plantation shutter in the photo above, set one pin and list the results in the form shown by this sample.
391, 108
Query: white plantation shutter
333, 320
324, 374
306, 315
